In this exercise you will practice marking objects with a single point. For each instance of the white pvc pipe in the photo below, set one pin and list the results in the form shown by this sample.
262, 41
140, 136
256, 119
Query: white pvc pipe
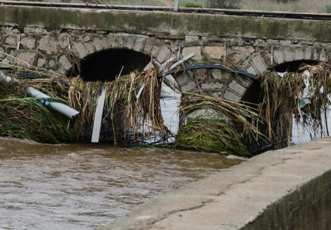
56, 106
98, 116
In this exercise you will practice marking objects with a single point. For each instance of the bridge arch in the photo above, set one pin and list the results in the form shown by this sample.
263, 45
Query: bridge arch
79, 50
233, 86
277, 58
261, 61
109, 63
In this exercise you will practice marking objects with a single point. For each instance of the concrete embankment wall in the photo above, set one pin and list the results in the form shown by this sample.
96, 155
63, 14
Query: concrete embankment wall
283, 189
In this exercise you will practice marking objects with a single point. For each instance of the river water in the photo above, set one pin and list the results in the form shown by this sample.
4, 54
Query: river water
80, 187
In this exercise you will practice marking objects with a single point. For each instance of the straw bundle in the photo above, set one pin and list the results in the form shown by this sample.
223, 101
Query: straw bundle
233, 123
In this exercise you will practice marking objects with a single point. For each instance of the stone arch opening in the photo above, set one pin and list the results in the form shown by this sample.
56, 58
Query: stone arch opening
252, 94
292, 66
106, 65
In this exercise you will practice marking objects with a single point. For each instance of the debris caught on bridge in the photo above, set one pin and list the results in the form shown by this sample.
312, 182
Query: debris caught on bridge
224, 130
149, 107
297, 97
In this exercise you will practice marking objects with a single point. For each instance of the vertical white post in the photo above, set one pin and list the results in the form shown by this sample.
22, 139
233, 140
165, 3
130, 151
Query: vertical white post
176, 6
98, 116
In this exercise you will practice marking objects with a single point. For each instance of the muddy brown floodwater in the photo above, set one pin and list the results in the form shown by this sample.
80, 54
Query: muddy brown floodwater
80, 187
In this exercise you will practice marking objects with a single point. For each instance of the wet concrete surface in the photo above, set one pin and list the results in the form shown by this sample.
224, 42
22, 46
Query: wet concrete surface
282, 189
83, 186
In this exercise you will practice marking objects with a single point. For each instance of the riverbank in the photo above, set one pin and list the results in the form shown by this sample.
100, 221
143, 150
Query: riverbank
283, 189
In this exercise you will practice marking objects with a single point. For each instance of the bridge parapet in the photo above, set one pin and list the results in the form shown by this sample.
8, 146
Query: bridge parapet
56, 38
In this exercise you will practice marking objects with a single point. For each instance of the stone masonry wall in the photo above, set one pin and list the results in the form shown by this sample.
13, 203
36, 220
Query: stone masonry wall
41, 39
60, 50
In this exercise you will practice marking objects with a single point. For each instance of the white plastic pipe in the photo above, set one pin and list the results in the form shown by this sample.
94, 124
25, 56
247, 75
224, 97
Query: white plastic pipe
98, 116
56, 106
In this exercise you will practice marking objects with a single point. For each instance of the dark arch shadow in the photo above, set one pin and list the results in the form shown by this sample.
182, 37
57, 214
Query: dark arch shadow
107, 64
253, 95
293, 66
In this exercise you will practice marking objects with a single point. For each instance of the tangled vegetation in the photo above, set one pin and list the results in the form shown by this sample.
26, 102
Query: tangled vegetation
125, 110
132, 102
225, 130
132, 110
284, 97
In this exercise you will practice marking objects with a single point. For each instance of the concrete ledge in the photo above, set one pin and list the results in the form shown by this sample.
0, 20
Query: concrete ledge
168, 24
283, 189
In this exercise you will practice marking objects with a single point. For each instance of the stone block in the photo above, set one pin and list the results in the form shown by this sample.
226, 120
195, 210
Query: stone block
323, 55
299, 54
259, 64
80, 49
212, 86
238, 54
140, 43
86, 38
236, 87
90, 48
164, 54
190, 86
196, 50
316, 54
34, 30
10, 31
48, 44
2, 51
26, 58
288, 54
220, 75
184, 79
130, 41
41, 62
308, 53
214, 52
11, 41
64, 40
52, 64
244, 81
28, 42
278, 56
231, 96
64, 63
191, 38
155, 51
148, 46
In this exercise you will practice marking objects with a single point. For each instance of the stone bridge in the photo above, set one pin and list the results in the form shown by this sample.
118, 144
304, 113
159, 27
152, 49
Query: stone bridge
57, 38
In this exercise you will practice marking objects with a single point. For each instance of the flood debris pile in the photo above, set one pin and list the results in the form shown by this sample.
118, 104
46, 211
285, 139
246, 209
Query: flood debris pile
224, 130
133, 112
134, 109
302, 96
25, 117
132, 101
131, 104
